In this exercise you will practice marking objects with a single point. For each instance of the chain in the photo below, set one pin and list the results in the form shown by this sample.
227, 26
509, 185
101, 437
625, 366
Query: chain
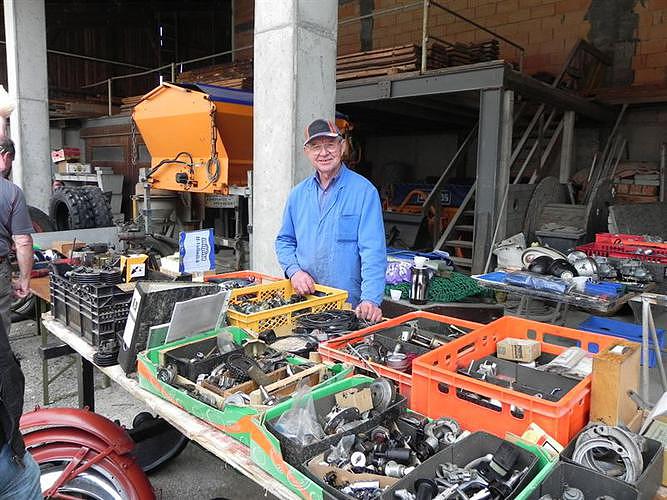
133, 144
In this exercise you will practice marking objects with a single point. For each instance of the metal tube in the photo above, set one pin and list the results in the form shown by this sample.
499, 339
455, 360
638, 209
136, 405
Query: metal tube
89, 58
646, 310
424, 34
663, 173
109, 94
479, 26
147, 207
381, 12
173, 72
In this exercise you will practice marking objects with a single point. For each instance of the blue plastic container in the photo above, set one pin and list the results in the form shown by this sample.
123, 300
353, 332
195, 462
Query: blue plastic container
627, 331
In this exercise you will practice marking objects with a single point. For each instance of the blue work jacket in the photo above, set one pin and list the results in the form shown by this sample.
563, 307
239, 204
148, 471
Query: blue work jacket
342, 245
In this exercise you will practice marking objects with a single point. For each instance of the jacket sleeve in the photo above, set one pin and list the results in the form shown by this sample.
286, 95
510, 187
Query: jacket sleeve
372, 249
286, 242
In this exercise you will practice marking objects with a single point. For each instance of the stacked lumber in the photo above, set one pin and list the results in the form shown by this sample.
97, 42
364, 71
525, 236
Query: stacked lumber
436, 56
378, 62
236, 75
459, 54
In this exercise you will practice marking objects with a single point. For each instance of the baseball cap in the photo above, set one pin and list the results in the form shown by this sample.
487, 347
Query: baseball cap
321, 128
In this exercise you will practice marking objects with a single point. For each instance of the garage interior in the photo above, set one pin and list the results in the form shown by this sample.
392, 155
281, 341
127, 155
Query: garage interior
496, 133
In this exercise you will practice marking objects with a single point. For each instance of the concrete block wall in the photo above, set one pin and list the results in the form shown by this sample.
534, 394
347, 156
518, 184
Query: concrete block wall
634, 32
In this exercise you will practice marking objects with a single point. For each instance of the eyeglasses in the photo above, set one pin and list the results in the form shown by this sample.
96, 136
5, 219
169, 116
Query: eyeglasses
329, 147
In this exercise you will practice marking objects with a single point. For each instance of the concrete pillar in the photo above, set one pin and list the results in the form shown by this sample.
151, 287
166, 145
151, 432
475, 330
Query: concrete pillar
294, 83
25, 33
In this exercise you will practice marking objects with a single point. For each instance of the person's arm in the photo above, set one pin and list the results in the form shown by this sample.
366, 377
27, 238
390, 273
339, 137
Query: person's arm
373, 253
21, 227
24, 257
285, 246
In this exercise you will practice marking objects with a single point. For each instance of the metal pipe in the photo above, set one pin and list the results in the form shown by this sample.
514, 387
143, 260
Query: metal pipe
380, 12
89, 58
173, 72
425, 6
109, 94
663, 173
646, 310
479, 26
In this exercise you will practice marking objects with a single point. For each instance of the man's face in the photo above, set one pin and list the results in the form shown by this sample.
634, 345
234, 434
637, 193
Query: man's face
6, 160
325, 153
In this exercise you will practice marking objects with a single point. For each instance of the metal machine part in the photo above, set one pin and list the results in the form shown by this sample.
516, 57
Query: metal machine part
338, 417
383, 393
620, 445
167, 374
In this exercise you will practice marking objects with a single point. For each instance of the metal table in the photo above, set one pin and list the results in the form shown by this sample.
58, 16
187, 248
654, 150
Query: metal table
215, 441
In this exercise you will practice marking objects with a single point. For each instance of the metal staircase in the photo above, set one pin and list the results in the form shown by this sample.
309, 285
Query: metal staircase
537, 129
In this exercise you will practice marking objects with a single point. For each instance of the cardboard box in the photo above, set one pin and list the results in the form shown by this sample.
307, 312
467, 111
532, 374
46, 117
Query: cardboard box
615, 372
522, 350
64, 154
66, 167
65, 247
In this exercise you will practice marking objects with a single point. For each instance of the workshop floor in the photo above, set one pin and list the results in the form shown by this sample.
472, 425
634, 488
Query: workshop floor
195, 474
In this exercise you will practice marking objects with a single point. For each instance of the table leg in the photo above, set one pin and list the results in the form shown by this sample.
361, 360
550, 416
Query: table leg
44, 334
646, 310
86, 383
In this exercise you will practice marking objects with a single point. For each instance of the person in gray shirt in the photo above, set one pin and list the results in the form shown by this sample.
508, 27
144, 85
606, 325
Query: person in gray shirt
15, 228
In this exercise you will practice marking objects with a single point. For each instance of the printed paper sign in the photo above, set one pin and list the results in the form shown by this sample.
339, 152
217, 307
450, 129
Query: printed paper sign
197, 251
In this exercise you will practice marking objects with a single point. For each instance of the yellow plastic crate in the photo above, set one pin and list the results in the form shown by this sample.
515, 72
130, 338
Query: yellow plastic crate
327, 299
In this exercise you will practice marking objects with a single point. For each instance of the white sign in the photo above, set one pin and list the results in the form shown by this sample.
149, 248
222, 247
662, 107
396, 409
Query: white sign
197, 251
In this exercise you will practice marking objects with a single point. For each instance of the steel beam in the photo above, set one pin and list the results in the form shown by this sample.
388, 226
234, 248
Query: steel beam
491, 182
489, 75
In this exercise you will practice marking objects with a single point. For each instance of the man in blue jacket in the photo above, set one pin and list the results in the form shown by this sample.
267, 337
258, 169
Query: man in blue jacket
332, 231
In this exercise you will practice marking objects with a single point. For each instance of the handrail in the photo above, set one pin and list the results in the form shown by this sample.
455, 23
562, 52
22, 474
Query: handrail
435, 192
522, 51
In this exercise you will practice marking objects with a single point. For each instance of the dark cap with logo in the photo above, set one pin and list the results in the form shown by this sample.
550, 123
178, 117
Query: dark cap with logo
321, 128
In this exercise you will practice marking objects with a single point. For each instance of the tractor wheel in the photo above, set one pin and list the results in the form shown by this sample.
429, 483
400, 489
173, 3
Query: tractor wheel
99, 204
70, 209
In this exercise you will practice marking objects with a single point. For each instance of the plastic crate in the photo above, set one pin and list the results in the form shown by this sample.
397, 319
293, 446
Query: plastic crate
623, 252
439, 391
332, 350
96, 312
324, 299
258, 278
627, 331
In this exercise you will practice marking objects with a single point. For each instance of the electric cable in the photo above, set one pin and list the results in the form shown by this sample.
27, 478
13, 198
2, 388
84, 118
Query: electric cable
333, 323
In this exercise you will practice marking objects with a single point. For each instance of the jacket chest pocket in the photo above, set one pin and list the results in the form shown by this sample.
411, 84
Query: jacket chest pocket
348, 228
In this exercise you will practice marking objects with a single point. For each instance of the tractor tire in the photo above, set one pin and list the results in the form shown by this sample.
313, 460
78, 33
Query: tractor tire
99, 204
41, 222
70, 209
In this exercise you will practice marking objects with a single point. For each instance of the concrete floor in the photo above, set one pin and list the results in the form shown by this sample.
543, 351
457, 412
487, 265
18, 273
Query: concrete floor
194, 474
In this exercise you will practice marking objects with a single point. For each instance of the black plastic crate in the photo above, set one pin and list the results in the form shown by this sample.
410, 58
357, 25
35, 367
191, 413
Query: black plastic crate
463, 452
649, 481
591, 483
96, 313
296, 454
186, 361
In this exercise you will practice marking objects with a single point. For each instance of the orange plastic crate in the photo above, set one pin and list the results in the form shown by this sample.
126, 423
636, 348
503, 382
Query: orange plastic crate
259, 278
436, 387
332, 350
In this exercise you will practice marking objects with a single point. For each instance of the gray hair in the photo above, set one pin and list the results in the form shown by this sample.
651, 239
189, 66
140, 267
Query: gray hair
7, 146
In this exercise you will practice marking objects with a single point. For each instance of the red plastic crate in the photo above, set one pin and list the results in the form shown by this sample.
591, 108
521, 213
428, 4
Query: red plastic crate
624, 252
437, 387
332, 350
260, 278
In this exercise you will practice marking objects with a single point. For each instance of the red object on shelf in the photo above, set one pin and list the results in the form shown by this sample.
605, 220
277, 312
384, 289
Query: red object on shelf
440, 391
332, 350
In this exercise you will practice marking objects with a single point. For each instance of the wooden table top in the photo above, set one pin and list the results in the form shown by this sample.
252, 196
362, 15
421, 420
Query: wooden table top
40, 288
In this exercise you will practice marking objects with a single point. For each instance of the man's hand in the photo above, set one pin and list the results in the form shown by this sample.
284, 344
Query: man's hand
303, 283
21, 288
368, 311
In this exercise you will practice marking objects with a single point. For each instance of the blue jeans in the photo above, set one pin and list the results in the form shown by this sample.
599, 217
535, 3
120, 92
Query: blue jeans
16, 481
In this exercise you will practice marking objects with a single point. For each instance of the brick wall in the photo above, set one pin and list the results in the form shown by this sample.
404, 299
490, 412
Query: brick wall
547, 29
